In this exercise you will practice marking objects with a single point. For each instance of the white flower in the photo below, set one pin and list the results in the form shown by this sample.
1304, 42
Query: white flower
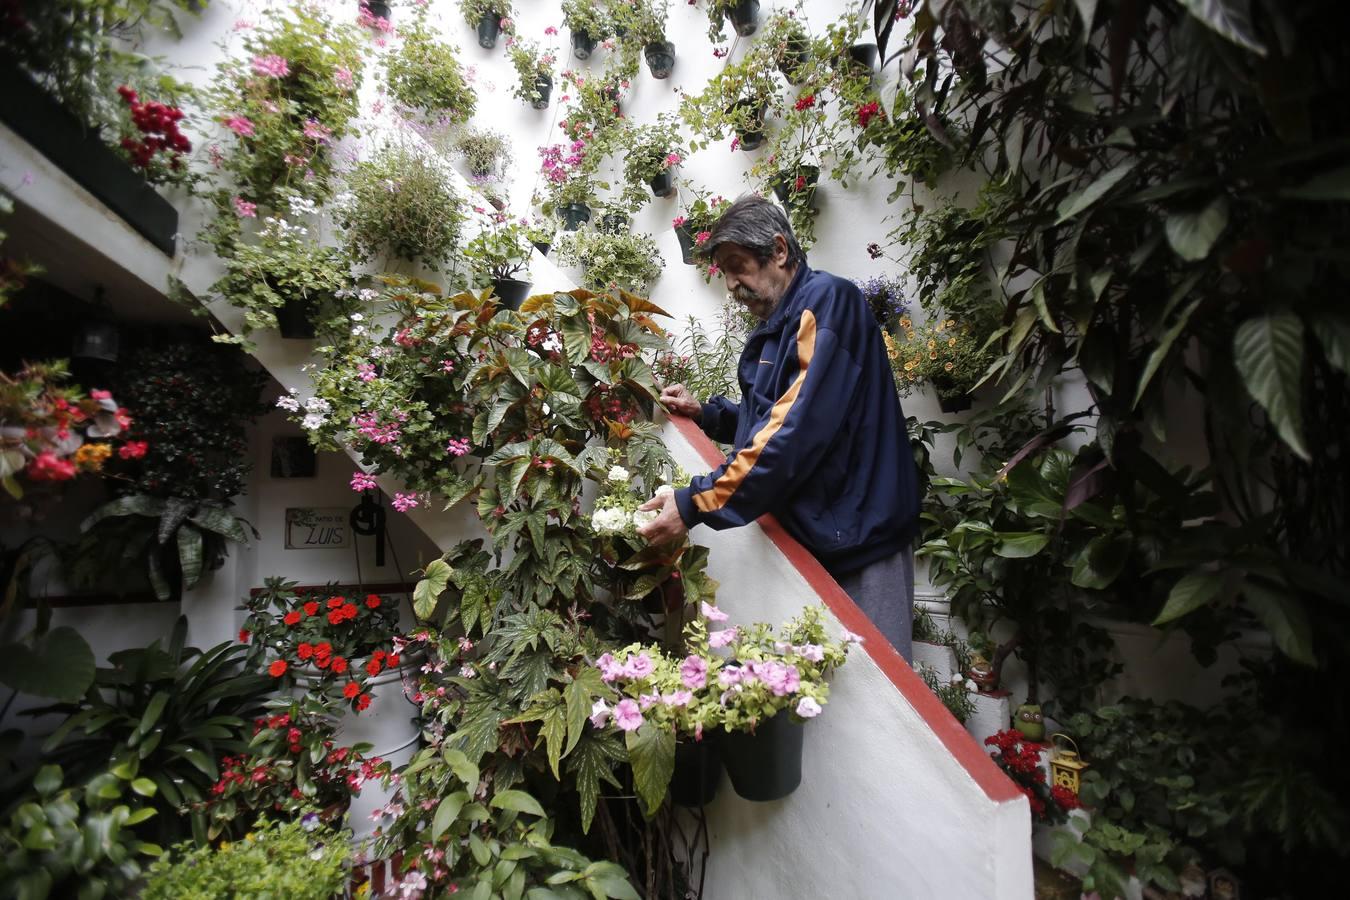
312, 421
318, 405
957, 678
467, 672
808, 708
619, 475
643, 516
552, 343
357, 317
850, 637
600, 714
369, 295
609, 521
663, 490
972, 686
288, 403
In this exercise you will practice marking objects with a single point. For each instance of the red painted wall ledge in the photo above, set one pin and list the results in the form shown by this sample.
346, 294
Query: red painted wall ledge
972, 757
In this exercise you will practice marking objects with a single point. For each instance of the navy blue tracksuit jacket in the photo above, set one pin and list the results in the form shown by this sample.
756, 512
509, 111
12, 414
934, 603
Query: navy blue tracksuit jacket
818, 438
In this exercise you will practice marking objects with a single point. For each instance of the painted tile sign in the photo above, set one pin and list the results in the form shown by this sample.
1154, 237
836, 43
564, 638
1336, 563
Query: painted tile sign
324, 528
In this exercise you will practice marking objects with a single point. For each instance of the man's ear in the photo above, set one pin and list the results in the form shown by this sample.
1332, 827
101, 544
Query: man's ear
780, 250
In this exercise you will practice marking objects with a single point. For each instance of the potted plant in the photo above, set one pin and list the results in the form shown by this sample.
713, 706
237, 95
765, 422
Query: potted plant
643, 22
500, 251
302, 859
486, 153
589, 22
570, 193
789, 45
540, 231
885, 295
424, 74
628, 260
735, 101
489, 17
694, 227
401, 203
653, 152
534, 71
945, 353
743, 15
329, 645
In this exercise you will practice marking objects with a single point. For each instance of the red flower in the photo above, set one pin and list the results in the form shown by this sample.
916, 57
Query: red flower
335, 602
292, 617
373, 601
133, 449
305, 651
335, 617
373, 667
867, 110
392, 661
805, 102
46, 467
350, 611
325, 649
322, 661
293, 736
351, 689
800, 183
1066, 798
362, 702
339, 664
243, 635
311, 608
277, 669
379, 654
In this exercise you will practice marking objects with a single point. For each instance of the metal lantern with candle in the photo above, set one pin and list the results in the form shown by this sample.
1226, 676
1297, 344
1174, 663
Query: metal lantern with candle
1066, 767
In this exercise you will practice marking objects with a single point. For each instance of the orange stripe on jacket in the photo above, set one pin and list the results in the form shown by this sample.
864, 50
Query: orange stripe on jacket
715, 497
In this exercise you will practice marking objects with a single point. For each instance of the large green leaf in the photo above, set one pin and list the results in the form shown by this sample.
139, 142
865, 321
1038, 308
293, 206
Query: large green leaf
651, 750
133, 505
1230, 18
1193, 591
1192, 234
1268, 354
1285, 618
518, 801
447, 812
1159, 354
592, 762
1078, 201
59, 664
190, 554
429, 589
1333, 332
222, 522
1020, 544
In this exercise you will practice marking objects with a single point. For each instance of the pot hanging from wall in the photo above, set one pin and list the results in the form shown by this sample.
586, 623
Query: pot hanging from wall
583, 45
765, 765
542, 247
660, 58
753, 135
489, 26
543, 86
698, 770
573, 215
794, 59
378, 8
663, 185
744, 17
511, 291
785, 185
686, 239
293, 319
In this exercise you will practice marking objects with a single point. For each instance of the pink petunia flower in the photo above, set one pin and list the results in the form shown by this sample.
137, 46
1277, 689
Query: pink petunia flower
712, 613
694, 672
627, 715
722, 638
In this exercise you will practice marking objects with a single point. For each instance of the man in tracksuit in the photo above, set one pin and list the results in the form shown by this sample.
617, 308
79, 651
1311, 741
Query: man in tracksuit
818, 438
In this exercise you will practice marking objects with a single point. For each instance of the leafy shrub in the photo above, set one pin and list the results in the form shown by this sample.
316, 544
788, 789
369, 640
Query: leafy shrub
402, 202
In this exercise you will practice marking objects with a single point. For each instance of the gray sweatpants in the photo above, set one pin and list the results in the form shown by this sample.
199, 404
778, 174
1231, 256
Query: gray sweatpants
884, 591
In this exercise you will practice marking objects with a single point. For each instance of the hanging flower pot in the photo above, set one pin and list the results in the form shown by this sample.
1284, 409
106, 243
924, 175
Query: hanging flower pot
797, 180
698, 770
293, 319
863, 56
378, 8
488, 28
612, 95
765, 765
583, 45
660, 58
954, 404
686, 238
663, 185
614, 222
512, 292
574, 215
543, 86
542, 247
752, 135
794, 59
744, 17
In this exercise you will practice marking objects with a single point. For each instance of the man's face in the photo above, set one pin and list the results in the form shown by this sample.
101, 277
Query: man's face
758, 286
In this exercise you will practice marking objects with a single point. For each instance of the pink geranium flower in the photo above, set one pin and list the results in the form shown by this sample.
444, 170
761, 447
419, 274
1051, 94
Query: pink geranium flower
272, 66
363, 482
240, 125
244, 209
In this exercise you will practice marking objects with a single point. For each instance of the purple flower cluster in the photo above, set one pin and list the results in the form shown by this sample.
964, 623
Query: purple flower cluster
883, 294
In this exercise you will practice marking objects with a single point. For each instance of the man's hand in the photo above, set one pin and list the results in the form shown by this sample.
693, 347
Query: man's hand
679, 402
667, 526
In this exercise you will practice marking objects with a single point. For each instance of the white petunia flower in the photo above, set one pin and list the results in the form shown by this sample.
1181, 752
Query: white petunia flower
619, 475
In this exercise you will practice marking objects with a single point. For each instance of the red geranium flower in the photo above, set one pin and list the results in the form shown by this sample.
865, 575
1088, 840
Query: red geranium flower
277, 669
867, 110
305, 651
392, 661
350, 611
335, 602
351, 689
324, 649
373, 667
311, 608
362, 702
292, 617
243, 635
373, 601
339, 664
805, 102
335, 617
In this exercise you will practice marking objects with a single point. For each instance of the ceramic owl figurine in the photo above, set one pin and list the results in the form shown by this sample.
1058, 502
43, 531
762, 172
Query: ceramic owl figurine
1030, 721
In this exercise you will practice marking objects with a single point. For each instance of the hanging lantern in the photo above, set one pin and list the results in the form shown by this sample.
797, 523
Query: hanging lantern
1066, 768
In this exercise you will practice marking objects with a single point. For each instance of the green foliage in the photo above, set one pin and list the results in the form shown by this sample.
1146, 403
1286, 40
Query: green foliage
424, 74
163, 713
649, 149
706, 363
402, 203
500, 249
292, 860
594, 18
953, 695
627, 260
76, 840
531, 67
485, 152
474, 10
487, 839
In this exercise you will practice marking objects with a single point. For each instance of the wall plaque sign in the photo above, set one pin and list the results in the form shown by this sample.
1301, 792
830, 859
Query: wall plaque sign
321, 528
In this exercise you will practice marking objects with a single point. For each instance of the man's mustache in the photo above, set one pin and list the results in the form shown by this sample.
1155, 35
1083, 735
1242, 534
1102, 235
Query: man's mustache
745, 295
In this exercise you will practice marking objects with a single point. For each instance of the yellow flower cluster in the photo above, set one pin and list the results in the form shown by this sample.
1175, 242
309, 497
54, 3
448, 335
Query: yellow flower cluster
91, 457
945, 352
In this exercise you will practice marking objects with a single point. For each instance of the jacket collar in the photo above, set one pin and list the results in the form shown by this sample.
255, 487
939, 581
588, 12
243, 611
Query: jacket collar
783, 310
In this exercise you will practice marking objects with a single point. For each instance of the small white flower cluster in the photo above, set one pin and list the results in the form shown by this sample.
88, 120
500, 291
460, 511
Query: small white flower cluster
619, 475
613, 520
302, 206
289, 401
316, 413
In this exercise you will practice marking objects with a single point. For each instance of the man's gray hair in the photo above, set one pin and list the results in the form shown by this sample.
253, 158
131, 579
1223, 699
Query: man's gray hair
753, 222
